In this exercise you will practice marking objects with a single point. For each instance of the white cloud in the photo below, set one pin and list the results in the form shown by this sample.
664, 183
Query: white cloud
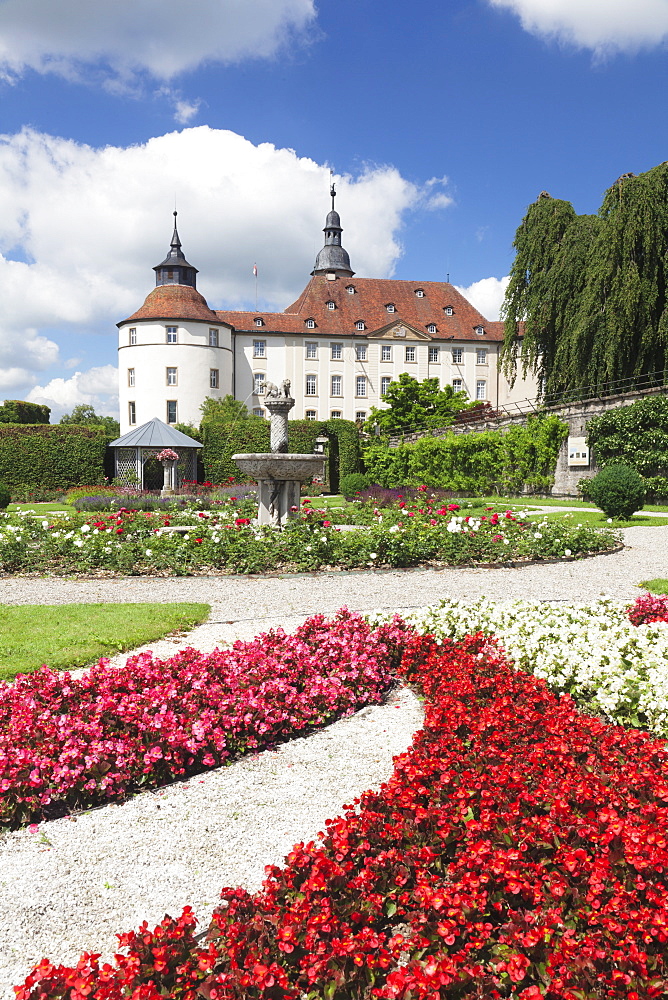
185, 111
605, 26
486, 295
161, 37
81, 228
432, 198
97, 387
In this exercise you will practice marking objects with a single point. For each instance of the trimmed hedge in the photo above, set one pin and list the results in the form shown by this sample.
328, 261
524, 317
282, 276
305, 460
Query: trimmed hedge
222, 440
18, 411
51, 456
521, 458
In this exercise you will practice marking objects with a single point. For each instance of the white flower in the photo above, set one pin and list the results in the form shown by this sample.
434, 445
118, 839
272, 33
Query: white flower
78, 542
373, 555
107, 548
567, 552
149, 552
537, 534
45, 524
85, 527
308, 548
394, 528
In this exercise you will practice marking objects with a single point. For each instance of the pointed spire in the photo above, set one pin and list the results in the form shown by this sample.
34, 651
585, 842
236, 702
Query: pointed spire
333, 258
175, 269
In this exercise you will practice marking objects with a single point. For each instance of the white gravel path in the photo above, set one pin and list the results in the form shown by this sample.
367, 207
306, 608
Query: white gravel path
74, 884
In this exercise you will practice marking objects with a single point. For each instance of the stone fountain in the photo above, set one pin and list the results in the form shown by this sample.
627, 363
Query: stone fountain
279, 474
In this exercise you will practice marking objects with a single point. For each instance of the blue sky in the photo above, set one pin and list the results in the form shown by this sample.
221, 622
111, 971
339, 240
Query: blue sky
441, 122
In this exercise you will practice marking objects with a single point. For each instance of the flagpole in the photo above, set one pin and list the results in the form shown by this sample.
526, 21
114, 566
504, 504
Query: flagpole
255, 275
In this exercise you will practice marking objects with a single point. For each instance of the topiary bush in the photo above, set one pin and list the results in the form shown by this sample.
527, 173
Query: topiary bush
5, 497
353, 483
618, 490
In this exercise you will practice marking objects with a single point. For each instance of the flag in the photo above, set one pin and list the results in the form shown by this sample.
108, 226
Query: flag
255, 270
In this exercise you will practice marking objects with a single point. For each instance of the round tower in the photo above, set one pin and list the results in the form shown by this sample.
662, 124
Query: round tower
174, 351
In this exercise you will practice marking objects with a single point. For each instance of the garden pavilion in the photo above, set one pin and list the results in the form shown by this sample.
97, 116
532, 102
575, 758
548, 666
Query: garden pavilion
135, 453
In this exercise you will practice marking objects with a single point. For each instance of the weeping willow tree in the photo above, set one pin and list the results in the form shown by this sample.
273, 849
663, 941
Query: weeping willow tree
589, 293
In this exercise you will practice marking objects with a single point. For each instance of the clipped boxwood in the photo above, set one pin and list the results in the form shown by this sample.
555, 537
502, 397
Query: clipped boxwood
618, 490
51, 457
5, 497
353, 483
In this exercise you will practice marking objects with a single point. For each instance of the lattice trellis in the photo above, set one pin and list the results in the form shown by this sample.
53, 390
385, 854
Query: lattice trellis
131, 462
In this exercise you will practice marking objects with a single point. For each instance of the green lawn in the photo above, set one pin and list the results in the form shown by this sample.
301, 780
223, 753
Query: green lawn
72, 635
657, 586
41, 508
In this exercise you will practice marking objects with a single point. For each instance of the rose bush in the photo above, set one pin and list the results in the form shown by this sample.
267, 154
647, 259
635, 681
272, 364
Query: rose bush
226, 540
519, 850
66, 743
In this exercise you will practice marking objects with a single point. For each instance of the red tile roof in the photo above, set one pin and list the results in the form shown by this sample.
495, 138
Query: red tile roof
369, 304
167, 302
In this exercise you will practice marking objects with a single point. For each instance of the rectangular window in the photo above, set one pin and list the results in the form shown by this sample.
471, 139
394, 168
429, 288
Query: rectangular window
311, 415
457, 384
481, 356
337, 351
384, 384
171, 334
456, 355
259, 348
360, 385
171, 376
171, 411
258, 411
410, 354
213, 378
132, 413
336, 414
131, 376
360, 415
311, 349
311, 385
213, 338
481, 389
360, 352
386, 352
133, 334
258, 383
433, 354
337, 383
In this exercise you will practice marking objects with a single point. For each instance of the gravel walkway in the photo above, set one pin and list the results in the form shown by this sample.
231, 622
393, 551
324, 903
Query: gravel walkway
76, 882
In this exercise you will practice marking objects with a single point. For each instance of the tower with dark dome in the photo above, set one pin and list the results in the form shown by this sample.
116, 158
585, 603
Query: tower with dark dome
333, 259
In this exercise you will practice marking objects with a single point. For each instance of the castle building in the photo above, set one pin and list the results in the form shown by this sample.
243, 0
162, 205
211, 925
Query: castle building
340, 344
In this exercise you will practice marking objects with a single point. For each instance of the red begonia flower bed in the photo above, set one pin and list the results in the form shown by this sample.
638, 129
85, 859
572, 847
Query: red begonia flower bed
67, 744
519, 850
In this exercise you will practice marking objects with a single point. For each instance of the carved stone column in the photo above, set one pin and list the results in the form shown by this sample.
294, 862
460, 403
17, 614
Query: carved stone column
279, 409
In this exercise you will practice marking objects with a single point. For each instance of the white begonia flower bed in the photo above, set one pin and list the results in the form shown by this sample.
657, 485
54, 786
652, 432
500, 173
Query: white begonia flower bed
591, 651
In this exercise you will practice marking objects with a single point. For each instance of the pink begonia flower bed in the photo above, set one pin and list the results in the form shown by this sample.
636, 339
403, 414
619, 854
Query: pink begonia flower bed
67, 744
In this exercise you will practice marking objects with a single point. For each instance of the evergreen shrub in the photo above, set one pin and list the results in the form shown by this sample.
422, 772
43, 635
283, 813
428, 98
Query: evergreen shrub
5, 497
353, 483
618, 490
51, 456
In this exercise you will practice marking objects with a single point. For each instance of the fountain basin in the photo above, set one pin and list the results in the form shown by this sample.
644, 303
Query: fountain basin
279, 475
280, 466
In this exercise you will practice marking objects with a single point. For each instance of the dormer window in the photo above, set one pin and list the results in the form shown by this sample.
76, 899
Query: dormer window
350, 289
331, 305
448, 310
419, 292
360, 325
310, 324
258, 321
390, 307
480, 330
431, 328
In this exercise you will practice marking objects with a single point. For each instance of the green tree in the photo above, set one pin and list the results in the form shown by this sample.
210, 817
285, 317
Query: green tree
587, 301
17, 411
414, 403
226, 410
84, 413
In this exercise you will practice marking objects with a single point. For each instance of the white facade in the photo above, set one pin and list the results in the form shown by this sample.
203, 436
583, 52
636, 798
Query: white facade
166, 369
